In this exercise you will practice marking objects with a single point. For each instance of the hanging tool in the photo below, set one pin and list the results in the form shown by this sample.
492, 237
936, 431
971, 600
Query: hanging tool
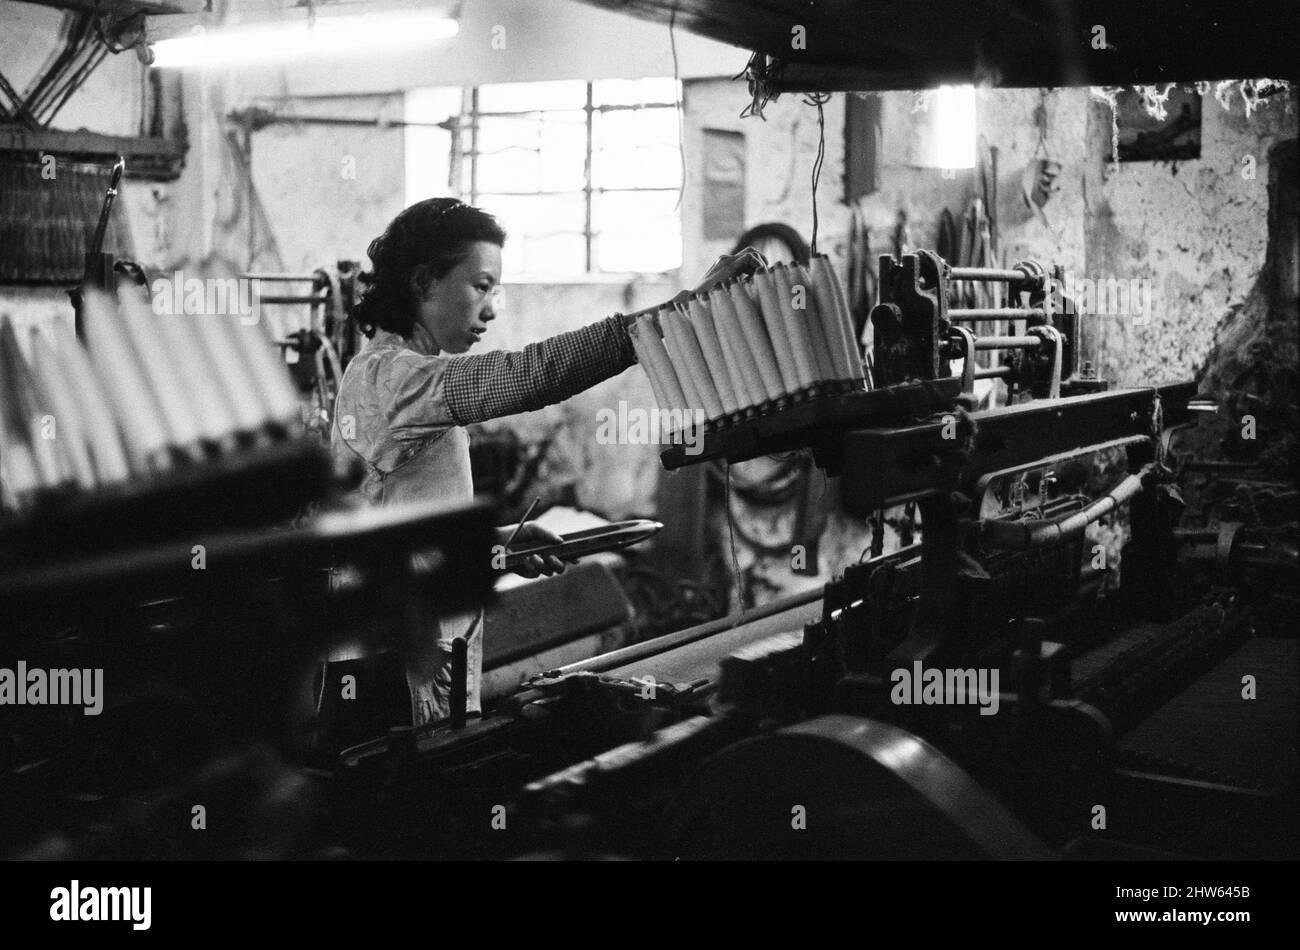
98, 271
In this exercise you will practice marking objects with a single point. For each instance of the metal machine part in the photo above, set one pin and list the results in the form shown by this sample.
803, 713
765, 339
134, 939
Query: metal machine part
839, 788
917, 334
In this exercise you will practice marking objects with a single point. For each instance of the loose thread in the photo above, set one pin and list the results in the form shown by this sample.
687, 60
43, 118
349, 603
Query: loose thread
818, 99
677, 100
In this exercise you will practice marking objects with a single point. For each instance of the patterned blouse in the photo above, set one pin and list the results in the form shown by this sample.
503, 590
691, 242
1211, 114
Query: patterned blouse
401, 410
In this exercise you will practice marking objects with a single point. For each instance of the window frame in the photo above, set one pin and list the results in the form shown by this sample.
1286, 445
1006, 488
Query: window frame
472, 114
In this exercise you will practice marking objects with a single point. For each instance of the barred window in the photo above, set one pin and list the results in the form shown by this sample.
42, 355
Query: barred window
584, 175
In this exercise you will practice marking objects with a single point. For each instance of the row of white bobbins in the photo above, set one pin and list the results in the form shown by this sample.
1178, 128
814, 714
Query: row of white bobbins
752, 346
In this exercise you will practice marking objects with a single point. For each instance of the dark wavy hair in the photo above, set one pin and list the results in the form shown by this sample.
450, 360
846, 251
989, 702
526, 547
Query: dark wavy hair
436, 233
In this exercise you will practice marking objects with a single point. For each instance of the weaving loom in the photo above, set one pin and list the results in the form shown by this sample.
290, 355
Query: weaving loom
667, 748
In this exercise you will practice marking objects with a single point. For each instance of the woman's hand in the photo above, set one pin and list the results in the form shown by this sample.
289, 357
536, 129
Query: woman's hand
532, 535
728, 266
745, 261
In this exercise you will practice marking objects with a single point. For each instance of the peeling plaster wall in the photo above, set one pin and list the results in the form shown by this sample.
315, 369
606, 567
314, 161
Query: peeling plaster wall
329, 189
779, 155
1197, 230
1006, 118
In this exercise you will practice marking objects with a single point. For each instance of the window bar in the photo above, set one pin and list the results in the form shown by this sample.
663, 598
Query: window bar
590, 167
473, 145
521, 113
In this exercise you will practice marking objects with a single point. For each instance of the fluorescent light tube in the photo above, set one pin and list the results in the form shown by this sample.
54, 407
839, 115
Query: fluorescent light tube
337, 36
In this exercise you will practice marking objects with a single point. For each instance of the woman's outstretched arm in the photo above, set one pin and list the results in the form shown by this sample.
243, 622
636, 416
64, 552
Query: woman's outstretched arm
501, 383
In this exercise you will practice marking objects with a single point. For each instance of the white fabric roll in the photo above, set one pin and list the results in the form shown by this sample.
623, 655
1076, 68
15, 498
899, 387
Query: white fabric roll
652, 339
744, 366
715, 357
777, 331
673, 348
144, 430
828, 367
56, 392
267, 367
652, 373
801, 344
844, 318
96, 409
755, 333
181, 415
689, 353
229, 372
181, 337
38, 461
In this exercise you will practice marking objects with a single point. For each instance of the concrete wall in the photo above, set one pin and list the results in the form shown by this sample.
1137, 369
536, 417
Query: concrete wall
328, 190
1197, 230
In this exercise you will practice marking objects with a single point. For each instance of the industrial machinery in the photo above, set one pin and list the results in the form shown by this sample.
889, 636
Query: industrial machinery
1015, 685
319, 346
1063, 666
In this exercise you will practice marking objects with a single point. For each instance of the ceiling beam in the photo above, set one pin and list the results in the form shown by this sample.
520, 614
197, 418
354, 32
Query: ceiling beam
911, 44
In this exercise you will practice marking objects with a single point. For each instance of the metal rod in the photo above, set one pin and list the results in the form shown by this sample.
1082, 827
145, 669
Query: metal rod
524, 113
649, 648
994, 372
333, 120
285, 277
590, 173
582, 191
101, 227
1008, 343
997, 313
988, 274
522, 521
1020, 535
289, 298
473, 146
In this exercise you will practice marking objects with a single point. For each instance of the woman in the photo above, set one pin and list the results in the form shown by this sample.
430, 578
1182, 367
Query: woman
407, 396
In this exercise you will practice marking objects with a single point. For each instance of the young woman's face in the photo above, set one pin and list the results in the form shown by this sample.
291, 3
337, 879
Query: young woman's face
457, 307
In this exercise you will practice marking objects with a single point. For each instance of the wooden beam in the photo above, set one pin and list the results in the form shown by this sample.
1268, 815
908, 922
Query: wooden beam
122, 8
